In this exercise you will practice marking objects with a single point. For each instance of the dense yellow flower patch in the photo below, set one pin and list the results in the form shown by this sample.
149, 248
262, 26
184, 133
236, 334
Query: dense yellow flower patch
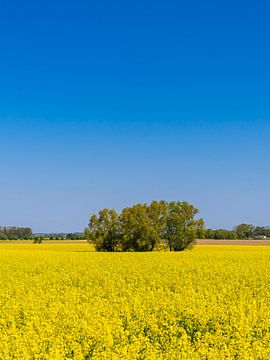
64, 302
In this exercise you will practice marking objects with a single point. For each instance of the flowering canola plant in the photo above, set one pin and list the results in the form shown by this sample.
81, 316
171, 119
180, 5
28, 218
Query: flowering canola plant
66, 302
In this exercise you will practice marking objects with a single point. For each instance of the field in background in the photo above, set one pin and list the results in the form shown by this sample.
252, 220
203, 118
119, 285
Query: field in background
47, 241
233, 242
68, 302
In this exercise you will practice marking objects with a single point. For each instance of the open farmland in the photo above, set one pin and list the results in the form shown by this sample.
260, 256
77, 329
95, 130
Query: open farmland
68, 302
255, 242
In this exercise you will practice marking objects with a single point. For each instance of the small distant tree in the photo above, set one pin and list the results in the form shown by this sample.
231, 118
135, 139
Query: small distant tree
37, 240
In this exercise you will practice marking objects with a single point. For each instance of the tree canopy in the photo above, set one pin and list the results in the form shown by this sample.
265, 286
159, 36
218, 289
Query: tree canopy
144, 227
244, 231
105, 230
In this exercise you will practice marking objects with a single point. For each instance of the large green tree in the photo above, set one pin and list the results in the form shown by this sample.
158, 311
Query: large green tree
105, 230
181, 226
143, 226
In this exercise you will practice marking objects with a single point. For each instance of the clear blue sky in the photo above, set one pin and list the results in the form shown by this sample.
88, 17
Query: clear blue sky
110, 103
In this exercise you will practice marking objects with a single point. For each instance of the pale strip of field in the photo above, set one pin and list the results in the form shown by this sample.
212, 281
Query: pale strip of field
47, 242
232, 242
84, 242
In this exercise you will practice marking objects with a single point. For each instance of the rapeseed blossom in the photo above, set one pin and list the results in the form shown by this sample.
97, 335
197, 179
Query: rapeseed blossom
65, 302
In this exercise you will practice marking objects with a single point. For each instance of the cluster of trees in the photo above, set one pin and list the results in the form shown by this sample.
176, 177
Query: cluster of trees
262, 231
144, 227
248, 231
14, 233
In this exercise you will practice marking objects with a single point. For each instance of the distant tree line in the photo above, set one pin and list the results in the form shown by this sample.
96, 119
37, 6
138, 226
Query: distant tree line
14, 233
218, 234
144, 227
25, 233
242, 231
248, 231
75, 236
60, 236
262, 231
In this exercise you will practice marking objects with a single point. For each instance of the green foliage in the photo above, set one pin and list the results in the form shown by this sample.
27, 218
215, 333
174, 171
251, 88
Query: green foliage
105, 230
244, 231
14, 233
37, 240
181, 227
86, 233
144, 227
220, 234
262, 231
74, 236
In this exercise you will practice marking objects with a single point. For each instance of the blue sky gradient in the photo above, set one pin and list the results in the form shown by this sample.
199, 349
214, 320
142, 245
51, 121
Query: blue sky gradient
106, 104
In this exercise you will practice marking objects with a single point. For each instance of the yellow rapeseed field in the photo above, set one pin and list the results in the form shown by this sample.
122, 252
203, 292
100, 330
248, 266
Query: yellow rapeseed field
68, 302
